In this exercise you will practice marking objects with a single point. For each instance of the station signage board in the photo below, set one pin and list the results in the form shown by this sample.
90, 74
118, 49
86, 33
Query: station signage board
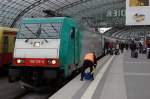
137, 12
116, 13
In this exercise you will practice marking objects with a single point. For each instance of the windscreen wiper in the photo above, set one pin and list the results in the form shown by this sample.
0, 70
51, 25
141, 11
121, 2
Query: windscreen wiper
39, 31
31, 32
54, 28
45, 32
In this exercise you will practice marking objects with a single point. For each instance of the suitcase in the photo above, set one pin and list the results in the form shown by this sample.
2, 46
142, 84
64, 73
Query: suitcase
117, 52
144, 51
135, 54
148, 55
87, 74
111, 52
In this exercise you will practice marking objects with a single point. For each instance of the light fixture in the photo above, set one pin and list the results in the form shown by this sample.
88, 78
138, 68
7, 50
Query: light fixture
53, 61
36, 44
19, 61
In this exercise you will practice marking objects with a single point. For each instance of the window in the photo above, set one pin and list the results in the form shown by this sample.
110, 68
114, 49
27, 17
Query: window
40, 31
5, 44
73, 33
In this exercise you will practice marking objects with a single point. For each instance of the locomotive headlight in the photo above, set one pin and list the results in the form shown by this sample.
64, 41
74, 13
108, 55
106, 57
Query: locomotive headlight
37, 44
19, 61
53, 61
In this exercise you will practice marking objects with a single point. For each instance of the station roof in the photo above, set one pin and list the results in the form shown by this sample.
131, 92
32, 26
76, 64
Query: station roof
11, 11
127, 33
89, 12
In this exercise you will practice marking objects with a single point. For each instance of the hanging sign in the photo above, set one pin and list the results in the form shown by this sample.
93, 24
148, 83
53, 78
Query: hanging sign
137, 12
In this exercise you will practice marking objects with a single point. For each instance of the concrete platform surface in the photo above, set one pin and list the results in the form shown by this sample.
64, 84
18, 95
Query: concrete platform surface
124, 78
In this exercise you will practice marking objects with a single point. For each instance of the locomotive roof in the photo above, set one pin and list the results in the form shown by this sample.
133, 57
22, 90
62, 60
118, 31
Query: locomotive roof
45, 20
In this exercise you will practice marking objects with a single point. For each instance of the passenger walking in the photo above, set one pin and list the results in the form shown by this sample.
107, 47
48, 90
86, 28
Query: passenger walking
110, 46
105, 48
133, 48
140, 47
148, 50
117, 49
122, 47
89, 62
127, 46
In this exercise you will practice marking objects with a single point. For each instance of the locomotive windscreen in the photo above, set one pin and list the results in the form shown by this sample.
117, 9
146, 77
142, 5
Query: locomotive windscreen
39, 31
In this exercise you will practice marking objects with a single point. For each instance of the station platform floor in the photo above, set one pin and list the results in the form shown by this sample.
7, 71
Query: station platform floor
116, 77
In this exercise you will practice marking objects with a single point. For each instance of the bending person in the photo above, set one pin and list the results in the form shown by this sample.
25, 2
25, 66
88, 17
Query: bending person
89, 62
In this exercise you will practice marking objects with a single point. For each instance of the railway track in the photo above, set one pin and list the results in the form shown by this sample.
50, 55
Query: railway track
20, 95
40, 94
32, 95
36, 95
14, 91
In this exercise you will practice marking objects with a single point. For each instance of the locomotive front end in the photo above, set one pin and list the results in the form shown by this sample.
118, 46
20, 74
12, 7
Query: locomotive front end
37, 45
36, 52
46, 49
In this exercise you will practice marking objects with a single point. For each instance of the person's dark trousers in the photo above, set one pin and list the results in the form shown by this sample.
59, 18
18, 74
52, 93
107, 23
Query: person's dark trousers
132, 53
86, 64
122, 50
82, 72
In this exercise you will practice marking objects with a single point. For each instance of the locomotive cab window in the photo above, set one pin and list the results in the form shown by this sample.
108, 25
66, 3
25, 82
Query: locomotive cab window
73, 33
40, 31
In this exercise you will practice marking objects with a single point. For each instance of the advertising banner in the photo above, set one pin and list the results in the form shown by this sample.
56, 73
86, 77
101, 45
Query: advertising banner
137, 12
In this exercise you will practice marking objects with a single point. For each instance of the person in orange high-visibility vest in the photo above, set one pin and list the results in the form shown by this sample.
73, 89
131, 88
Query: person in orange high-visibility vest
89, 62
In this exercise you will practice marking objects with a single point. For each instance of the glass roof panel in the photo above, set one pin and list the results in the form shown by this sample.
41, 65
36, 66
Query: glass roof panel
11, 11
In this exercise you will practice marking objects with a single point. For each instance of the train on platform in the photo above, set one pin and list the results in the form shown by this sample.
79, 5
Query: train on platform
51, 48
7, 40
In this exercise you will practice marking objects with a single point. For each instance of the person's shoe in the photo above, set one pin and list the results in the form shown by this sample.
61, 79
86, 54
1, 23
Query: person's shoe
92, 79
81, 79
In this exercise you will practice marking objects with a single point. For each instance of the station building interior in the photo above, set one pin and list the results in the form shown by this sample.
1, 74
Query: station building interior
44, 43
